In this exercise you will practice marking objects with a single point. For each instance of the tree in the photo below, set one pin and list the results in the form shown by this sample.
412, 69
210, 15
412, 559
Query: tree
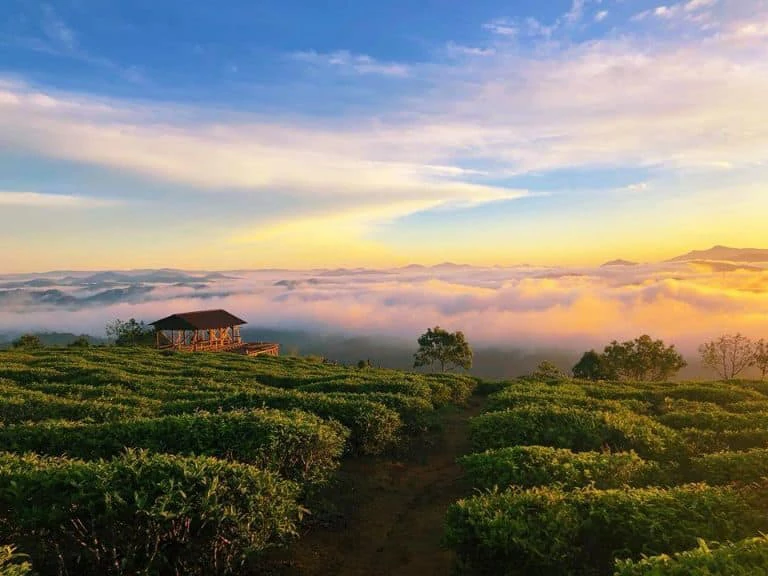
80, 342
642, 359
449, 349
591, 367
546, 371
130, 333
761, 357
28, 341
729, 355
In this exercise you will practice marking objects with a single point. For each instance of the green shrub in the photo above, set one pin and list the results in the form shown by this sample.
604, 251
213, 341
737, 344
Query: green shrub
12, 563
143, 513
417, 414
373, 426
745, 558
529, 466
727, 467
298, 445
707, 441
546, 531
575, 429
718, 421
350, 386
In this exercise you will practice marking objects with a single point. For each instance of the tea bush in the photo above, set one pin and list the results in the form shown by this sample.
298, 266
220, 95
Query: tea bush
373, 426
745, 558
576, 429
727, 467
708, 441
143, 513
12, 563
298, 445
529, 466
546, 531
718, 421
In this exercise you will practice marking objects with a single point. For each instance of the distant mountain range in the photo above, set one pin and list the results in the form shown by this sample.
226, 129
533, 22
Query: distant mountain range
618, 263
726, 254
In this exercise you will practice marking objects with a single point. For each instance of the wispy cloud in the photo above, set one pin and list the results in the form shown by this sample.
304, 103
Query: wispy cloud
454, 49
56, 29
356, 63
502, 27
53, 201
600, 16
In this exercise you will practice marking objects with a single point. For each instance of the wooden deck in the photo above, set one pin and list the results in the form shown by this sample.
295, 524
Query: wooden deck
245, 348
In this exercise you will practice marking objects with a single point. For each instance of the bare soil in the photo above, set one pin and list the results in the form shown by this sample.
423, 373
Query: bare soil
385, 515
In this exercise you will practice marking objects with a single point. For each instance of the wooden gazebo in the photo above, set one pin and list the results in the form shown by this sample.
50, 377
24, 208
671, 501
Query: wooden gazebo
206, 330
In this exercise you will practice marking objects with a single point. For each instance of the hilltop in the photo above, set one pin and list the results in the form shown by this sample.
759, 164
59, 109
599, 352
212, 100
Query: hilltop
725, 253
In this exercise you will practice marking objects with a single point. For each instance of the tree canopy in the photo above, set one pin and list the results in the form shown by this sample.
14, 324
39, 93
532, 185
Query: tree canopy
28, 341
448, 349
590, 367
641, 359
729, 355
130, 333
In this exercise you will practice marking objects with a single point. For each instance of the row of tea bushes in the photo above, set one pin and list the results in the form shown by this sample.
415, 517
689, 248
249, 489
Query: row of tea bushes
709, 441
531, 466
143, 513
575, 429
544, 531
744, 558
298, 445
21, 405
718, 421
374, 427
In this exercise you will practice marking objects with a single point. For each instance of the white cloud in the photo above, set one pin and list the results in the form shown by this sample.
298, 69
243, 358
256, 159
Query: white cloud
41, 200
56, 30
357, 63
502, 27
600, 16
453, 49
575, 14
694, 5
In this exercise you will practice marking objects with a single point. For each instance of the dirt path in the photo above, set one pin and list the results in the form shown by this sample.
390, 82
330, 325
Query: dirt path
386, 516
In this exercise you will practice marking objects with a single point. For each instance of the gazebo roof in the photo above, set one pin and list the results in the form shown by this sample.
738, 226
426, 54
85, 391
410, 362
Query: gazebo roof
200, 320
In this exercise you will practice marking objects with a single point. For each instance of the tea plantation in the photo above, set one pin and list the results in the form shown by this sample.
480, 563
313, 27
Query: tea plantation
592, 479
121, 461
130, 461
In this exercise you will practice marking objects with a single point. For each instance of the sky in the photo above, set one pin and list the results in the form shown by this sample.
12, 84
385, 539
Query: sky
296, 134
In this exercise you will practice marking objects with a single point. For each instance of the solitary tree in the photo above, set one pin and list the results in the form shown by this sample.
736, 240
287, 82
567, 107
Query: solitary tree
546, 371
449, 349
761, 357
729, 355
130, 333
27, 341
643, 359
80, 342
591, 367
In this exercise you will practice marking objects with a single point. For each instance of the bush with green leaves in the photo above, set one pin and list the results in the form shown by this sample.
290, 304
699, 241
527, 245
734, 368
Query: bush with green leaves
529, 466
143, 513
709, 441
298, 445
747, 557
576, 429
13, 563
545, 531
718, 421
374, 427
726, 467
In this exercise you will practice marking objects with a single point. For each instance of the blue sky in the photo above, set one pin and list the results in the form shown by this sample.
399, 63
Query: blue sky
242, 134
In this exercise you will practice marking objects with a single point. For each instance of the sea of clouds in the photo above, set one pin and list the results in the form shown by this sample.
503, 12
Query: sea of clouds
523, 307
